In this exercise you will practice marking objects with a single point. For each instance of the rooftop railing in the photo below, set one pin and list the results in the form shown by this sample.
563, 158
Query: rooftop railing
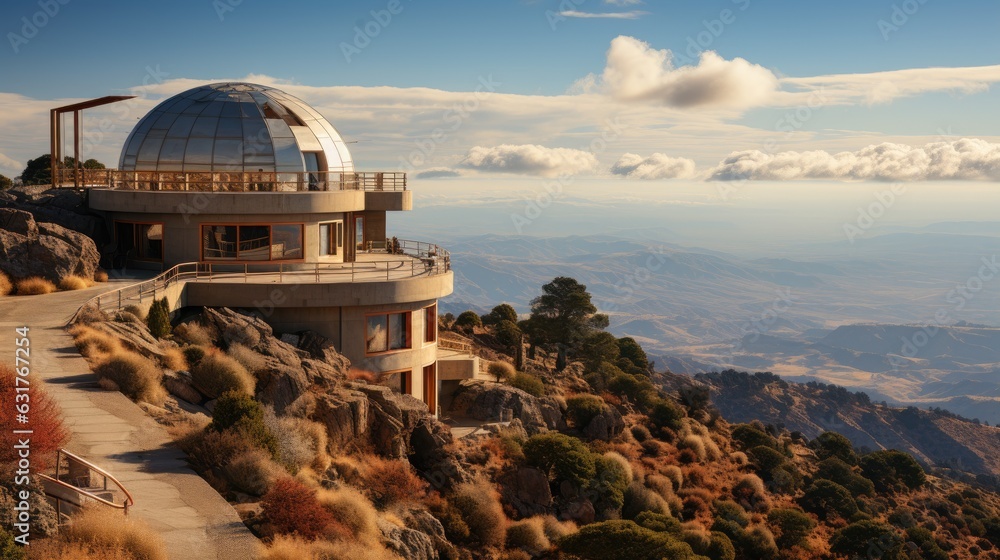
232, 181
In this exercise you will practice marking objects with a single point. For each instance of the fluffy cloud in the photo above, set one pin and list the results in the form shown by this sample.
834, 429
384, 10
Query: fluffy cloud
656, 166
637, 72
437, 173
965, 159
530, 159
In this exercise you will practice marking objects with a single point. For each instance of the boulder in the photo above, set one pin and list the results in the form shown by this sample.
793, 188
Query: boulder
408, 543
606, 425
553, 412
497, 402
135, 336
30, 248
433, 455
178, 384
345, 414
527, 491
280, 385
393, 419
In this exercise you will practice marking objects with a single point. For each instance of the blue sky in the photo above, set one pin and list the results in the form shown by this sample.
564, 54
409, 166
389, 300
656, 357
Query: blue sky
612, 92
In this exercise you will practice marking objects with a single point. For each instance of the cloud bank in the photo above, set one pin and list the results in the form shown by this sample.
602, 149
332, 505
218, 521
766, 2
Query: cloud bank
969, 159
530, 159
437, 173
656, 166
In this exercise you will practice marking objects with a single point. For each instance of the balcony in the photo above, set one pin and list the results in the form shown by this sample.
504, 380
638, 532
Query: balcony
236, 181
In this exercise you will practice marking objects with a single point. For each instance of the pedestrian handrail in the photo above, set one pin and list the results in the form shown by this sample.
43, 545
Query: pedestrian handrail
53, 485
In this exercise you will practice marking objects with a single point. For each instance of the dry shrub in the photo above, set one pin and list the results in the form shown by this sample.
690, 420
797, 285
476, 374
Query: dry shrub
529, 536
90, 314
675, 474
347, 467
52, 549
556, 529
625, 464
218, 373
749, 492
739, 458
241, 333
481, 511
638, 499
193, 333
661, 485
126, 317
136, 376
501, 371
173, 358
93, 343
73, 282
287, 547
135, 310
353, 510
45, 420
253, 472
251, 360
357, 374
100, 276
209, 449
6, 286
695, 444
390, 481
110, 529
301, 442
34, 285
292, 508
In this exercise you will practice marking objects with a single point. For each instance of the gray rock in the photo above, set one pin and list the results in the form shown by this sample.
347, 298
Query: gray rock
553, 413
408, 543
345, 413
606, 425
527, 491
497, 402
281, 385
30, 248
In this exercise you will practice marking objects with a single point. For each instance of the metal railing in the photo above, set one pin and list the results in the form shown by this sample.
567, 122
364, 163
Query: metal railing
421, 259
234, 181
69, 486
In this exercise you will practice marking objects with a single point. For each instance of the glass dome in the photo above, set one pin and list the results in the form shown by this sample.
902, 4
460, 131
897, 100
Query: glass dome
235, 127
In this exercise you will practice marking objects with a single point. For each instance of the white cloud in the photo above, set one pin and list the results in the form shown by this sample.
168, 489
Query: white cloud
437, 173
10, 167
631, 14
637, 72
530, 159
656, 166
965, 159
883, 87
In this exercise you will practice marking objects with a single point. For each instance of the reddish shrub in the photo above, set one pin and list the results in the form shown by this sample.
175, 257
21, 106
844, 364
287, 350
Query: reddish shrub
44, 418
292, 508
389, 481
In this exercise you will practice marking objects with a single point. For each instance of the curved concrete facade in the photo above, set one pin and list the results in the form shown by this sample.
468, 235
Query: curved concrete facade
240, 203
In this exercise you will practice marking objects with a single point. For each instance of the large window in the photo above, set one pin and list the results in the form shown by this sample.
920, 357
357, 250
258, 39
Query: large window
399, 381
387, 331
430, 323
331, 238
251, 242
143, 242
359, 232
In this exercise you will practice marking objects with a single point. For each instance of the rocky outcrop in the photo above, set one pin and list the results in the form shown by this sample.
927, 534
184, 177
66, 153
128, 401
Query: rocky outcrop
134, 336
497, 402
606, 425
31, 248
406, 542
527, 491
432, 454
64, 207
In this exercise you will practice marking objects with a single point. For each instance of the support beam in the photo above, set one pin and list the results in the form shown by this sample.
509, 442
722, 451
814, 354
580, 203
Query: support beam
55, 135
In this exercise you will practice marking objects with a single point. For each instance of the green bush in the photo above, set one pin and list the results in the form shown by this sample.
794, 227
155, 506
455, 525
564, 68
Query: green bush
613, 540
835, 469
791, 526
750, 437
193, 354
728, 510
241, 413
832, 444
608, 486
500, 313
828, 500
660, 523
218, 373
467, 320
508, 334
501, 371
867, 539
561, 457
766, 459
888, 468
581, 409
158, 319
9, 549
925, 541
529, 384
666, 414
638, 500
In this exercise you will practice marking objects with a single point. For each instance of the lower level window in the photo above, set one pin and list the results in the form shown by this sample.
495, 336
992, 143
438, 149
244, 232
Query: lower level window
251, 242
399, 381
387, 331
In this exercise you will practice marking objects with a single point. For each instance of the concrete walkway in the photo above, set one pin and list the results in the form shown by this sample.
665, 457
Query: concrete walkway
112, 432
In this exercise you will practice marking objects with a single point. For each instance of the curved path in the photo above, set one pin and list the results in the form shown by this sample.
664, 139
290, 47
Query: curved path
114, 433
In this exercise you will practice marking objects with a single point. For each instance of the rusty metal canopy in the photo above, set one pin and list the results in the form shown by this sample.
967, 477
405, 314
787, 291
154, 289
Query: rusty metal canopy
92, 103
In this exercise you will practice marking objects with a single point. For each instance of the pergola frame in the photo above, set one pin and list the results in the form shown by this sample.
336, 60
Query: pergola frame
55, 135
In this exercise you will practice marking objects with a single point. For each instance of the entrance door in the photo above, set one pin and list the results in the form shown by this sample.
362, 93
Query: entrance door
430, 387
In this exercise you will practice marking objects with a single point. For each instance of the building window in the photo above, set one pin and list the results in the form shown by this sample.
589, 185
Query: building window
278, 242
141, 242
430, 323
387, 331
359, 231
331, 238
399, 381
430, 387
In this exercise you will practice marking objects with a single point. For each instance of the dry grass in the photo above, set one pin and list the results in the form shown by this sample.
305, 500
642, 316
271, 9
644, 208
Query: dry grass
253, 361
253, 472
173, 358
357, 374
286, 547
301, 442
92, 343
136, 376
481, 510
6, 286
74, 282
90, 314
529, 536
556, 529
218, 373
135, 310
34, 286
100, 276
352, 509
109, 529
193, 333
389, 481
